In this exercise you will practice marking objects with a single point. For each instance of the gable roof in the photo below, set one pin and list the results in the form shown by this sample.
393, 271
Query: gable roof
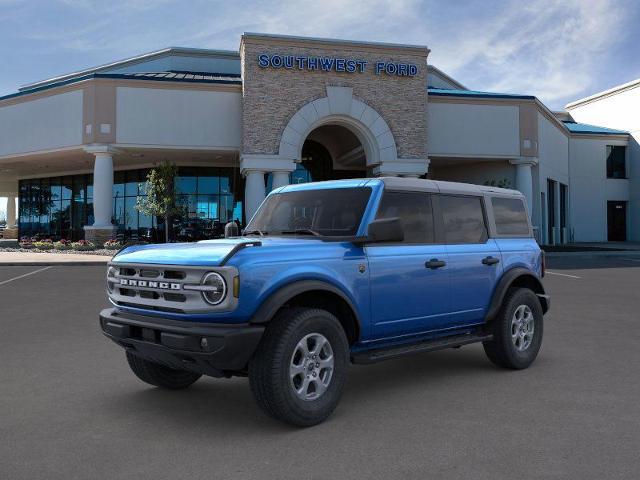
585, 128
145, 57
604, 93
447, 78
443, 92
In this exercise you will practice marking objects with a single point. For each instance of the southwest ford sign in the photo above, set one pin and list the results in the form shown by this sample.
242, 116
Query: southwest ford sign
334, 64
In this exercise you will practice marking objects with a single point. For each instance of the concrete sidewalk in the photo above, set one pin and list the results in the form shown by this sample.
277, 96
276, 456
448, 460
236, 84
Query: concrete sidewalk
37, 259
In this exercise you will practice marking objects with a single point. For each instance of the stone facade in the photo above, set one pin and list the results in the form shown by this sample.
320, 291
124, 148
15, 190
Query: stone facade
272, 96
98, 236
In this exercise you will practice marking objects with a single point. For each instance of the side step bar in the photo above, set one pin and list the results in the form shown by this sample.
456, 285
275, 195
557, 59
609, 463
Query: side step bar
396, 351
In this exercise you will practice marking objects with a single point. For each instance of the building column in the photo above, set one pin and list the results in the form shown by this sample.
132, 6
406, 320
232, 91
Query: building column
11, 212
11, 232
102, 228
280, 179
254, 166
254, 191
402, 167
524, 178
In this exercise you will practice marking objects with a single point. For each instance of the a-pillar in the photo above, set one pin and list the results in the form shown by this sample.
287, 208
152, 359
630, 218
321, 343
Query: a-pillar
102, 228
524, 178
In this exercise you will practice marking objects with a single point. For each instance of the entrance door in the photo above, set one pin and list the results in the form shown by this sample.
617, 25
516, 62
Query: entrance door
617, 221
409, 280
551, 211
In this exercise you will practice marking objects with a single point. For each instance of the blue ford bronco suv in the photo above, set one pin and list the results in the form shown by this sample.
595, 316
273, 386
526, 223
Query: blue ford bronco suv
332, 273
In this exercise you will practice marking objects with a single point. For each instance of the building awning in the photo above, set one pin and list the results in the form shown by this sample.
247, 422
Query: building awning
474, 93
170, 76
585, 128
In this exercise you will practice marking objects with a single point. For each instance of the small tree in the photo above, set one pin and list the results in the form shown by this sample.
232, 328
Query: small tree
502, 183
160, 200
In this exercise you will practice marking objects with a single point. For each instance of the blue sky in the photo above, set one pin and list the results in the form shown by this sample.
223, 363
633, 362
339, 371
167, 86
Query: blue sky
557, 50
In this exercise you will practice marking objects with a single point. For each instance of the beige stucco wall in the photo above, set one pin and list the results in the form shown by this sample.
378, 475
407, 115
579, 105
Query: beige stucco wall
50, 122
178, 117
272, 96
473, 129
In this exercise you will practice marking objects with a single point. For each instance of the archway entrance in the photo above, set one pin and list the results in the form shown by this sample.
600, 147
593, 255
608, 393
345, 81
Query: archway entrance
331, 152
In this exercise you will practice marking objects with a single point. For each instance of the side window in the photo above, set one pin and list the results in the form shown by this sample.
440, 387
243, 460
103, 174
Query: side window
510, 216
463, 219
414, 209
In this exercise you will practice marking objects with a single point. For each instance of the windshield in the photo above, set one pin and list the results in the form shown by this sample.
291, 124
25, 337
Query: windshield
332, 212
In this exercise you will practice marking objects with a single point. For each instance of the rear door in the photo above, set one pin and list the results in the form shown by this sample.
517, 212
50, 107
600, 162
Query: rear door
474, 258
409, 280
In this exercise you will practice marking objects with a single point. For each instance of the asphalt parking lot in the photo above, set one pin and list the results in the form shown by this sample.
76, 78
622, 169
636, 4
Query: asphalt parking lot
71, 409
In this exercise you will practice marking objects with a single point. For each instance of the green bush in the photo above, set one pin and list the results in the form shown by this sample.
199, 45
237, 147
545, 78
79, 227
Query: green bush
83, 245
62, 245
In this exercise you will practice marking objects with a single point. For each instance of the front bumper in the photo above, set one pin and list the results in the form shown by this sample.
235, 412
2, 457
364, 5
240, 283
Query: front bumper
209, 349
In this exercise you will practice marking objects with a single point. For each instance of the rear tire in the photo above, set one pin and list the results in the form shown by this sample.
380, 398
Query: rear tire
517, 330
299, 370
159, 375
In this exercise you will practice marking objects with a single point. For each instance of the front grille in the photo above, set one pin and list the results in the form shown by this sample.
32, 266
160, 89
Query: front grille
160, 288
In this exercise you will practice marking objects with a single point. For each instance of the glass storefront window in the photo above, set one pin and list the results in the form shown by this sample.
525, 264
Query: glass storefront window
59, 207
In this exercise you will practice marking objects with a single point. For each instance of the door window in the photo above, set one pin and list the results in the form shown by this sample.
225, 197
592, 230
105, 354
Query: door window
510, 215
463, 219
414, 209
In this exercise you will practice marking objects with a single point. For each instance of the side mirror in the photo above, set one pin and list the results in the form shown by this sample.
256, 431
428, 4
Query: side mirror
385, 230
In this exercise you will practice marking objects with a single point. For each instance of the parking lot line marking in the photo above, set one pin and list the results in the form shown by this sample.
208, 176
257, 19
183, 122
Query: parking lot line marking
562, 274
25, 275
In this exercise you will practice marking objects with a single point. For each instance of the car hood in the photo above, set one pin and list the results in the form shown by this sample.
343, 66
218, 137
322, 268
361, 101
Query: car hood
206, 252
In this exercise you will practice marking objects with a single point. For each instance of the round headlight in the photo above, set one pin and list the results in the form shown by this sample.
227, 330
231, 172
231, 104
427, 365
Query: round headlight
111, 274
216, 288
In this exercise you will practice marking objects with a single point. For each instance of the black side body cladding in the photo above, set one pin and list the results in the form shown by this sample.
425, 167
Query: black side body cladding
520, 277
269, 308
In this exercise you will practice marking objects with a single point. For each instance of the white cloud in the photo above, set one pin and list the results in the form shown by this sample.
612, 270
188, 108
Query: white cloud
547, 48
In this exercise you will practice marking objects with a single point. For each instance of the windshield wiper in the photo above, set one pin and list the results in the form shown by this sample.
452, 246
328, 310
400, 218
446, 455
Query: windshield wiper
301, 231
255, 232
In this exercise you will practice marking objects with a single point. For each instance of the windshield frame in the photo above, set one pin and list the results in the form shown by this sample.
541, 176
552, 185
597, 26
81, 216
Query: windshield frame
307, 232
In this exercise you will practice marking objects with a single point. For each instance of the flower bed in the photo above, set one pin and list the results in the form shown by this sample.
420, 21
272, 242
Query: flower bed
46, 245
83, 245
113, 245
63, 245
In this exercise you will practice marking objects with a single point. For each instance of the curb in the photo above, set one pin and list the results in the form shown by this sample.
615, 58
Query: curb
595, 253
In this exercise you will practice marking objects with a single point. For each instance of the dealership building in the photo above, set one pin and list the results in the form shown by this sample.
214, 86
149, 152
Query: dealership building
75, 149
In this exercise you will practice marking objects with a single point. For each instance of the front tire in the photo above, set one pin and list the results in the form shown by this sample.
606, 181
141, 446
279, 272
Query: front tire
159, 375
299, 370
517, 330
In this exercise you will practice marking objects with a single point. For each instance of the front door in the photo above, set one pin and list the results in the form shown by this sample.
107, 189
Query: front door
617, 221
474, 259
409, 280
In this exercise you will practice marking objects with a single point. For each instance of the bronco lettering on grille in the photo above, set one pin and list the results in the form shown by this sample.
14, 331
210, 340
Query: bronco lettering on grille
149, 284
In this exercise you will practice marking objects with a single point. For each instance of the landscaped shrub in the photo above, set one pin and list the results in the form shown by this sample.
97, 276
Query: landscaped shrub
83, 245
113, 245
26, 242
62, 245
46, 244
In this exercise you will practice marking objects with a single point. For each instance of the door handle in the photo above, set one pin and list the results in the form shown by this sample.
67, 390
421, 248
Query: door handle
490, 260
435, 263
